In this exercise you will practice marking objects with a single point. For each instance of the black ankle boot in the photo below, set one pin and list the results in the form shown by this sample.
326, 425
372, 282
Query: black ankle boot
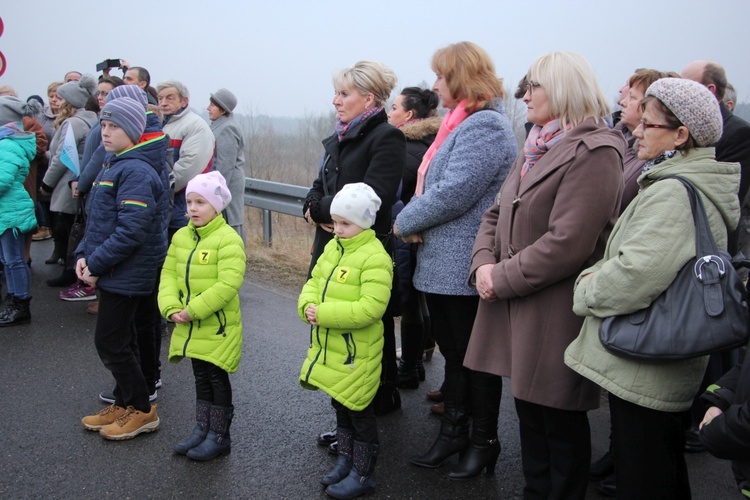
453, 438
408, 376
67, 278
420, 370
476, 458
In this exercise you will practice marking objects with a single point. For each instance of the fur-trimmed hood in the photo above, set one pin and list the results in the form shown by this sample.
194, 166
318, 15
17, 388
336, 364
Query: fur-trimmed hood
416, 131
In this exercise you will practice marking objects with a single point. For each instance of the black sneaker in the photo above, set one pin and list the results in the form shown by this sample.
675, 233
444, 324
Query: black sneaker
109, 397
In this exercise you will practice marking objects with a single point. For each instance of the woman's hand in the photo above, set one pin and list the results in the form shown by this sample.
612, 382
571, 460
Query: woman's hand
484, 283
414, 238
181, 317
74, 188
310, 314
711, 413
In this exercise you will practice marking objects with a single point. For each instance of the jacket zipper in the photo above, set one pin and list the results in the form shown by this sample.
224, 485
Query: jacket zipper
317, 330
187, 288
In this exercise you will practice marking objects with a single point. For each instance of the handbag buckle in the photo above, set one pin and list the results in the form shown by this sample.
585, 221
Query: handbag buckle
704, 261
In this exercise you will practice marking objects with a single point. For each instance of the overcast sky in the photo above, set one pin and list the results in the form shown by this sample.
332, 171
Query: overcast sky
278, 56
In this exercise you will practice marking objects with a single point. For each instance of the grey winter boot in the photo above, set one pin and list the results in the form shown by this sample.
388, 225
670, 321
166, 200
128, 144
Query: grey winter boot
345, 439
16, 312
217, 440
361, 478
202, 415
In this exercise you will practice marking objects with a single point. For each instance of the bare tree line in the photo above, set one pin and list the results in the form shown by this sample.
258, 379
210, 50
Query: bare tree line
292, 155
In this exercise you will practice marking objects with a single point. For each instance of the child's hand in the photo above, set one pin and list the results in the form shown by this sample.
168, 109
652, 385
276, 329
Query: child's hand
181, 317
310, 314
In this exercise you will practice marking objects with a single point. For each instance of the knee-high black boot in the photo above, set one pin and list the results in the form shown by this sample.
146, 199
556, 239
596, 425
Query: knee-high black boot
484, 448
454, 426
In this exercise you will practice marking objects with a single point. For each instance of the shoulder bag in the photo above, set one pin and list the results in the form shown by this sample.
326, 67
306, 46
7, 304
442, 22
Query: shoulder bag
703, 311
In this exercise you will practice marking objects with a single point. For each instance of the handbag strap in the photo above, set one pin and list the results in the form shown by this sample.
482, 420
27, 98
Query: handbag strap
709, 268
705, 245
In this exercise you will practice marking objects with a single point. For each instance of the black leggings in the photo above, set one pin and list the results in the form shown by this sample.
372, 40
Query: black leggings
212, 383
362, 422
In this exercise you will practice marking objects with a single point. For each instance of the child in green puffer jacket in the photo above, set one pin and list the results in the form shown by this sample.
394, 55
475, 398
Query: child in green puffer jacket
344, 301
200, 281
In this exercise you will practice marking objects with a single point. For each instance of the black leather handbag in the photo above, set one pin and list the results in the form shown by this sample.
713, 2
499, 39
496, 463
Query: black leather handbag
703, 311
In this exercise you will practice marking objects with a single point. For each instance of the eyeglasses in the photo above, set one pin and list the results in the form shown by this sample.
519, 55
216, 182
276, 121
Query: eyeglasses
645, 126
531, 86
102, 93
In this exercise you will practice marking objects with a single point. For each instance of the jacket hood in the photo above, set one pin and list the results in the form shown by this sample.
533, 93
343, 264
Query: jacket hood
25, 142
153, 123
718, 181
416, 131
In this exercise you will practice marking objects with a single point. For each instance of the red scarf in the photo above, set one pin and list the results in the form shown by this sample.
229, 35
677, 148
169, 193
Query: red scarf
452, 120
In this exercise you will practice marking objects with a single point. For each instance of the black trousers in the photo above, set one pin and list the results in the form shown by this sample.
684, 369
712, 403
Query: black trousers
363, 422
649, 451
212, 383
555, 451
62, 223
148, 336
452, 320
116, 343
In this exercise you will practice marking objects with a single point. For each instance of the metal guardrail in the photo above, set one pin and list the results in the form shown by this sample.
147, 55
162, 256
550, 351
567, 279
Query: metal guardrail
274, 197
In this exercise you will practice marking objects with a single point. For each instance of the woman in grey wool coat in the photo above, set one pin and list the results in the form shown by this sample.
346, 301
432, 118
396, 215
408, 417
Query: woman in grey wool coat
230, 154
456, 182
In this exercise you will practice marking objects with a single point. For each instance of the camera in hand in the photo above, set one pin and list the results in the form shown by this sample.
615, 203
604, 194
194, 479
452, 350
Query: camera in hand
108, 63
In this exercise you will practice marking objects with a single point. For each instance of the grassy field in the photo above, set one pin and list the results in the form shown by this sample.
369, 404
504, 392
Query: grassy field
284, 263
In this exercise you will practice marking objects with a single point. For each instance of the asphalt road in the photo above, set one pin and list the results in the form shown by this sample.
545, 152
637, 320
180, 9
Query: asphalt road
50, 376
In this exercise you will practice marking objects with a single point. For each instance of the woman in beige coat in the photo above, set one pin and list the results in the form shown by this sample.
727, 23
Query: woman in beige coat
550, 220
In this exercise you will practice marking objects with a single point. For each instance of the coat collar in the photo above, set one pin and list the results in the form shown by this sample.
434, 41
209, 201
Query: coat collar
591, 133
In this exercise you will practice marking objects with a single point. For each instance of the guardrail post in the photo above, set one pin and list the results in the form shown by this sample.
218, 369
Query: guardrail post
267, 236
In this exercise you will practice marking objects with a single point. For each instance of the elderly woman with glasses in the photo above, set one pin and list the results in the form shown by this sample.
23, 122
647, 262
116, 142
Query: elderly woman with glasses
651, 242
549, 221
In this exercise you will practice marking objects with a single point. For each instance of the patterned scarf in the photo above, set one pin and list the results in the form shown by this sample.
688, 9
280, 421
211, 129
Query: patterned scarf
342, 128
539, 141
662, 157
452, 120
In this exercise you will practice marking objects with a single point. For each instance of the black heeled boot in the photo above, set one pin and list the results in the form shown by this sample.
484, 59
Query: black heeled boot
486, 391
453, 438
476, 458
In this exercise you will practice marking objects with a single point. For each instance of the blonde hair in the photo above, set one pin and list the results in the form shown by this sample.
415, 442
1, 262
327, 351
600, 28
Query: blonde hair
367, 77
66, 111
53, 86
469, 73
572, 88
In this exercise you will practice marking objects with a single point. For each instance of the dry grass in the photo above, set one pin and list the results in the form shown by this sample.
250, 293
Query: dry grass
284, 264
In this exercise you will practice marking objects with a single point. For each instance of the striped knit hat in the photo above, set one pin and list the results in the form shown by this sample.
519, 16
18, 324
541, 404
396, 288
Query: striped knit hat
132, 91
128, 114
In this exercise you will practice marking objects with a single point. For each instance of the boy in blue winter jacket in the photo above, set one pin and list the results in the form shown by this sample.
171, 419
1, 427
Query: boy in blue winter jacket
124, 244
344, 301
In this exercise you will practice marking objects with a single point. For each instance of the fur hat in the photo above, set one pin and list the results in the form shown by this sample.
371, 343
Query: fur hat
225, 99
77, 93
133, 91
12, 109
357, 203
128, 114
213, 187
694, 105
